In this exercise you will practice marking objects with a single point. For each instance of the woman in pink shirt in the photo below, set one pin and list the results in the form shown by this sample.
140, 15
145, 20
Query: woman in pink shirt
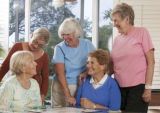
133, 60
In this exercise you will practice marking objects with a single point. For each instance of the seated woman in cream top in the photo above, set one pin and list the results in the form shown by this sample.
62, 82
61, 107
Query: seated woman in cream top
20, 91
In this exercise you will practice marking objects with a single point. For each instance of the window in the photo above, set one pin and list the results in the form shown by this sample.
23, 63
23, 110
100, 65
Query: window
16, 21
105, 26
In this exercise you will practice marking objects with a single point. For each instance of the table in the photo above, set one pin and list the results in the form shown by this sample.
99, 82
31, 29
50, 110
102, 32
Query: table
64, 110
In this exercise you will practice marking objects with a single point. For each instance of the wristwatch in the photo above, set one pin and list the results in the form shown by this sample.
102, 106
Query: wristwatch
94, 106
148, 86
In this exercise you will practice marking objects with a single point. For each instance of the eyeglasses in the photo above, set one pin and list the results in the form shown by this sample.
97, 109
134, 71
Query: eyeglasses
39, 43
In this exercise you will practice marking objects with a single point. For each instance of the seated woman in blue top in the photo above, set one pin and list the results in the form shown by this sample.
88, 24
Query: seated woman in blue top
99, 90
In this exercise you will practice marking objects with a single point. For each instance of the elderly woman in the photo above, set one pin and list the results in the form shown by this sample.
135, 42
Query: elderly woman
39, 39
69, 61
133, 60
99, 90
20, 91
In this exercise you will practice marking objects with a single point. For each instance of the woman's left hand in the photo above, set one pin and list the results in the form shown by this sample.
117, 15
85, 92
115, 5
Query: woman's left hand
82, 77
147, 95
86, 103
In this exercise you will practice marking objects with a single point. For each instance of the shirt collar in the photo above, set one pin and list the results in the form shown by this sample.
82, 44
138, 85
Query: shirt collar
101, 82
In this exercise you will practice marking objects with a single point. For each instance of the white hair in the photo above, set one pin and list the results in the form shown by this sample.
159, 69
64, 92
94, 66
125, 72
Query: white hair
68, 26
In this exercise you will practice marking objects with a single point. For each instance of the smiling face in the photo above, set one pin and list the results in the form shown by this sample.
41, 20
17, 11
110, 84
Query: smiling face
120, 24
123, 17
70, 39
93, 67
37, 43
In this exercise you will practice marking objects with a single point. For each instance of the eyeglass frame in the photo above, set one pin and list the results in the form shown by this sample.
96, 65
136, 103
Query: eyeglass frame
35, 42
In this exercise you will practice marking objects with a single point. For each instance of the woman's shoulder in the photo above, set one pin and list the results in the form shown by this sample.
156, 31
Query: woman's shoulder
86, 43
61, 44
33, 81
45, 54
11, 78
10, 81
17, 45
84, 40
111, 80
140, 29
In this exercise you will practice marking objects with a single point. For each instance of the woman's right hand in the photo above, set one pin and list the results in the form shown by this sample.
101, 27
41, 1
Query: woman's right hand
71, 100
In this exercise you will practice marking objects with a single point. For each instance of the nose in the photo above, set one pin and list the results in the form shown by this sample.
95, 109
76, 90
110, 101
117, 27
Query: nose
65, 37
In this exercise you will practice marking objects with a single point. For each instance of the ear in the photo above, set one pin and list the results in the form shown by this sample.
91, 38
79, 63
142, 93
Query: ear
127, 19
23, 69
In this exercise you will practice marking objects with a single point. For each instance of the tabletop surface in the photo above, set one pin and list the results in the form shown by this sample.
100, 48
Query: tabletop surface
61, 110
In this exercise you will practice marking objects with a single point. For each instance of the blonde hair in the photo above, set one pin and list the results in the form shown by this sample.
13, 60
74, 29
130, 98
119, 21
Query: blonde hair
18, 61
124, 10
68, 26
41, 32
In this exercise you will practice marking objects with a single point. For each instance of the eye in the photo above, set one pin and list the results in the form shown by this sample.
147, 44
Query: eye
92, 62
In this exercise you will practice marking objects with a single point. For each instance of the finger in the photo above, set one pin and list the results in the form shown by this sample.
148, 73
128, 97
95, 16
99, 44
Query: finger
82, 101
84, 98
146, 98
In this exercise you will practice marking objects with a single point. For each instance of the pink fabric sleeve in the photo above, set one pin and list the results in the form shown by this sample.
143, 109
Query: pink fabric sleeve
146, 41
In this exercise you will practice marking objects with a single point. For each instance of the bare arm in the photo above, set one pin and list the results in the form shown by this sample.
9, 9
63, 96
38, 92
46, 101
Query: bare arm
45, 77
60, 72
149, 74
110, 67
150, 66
82, 77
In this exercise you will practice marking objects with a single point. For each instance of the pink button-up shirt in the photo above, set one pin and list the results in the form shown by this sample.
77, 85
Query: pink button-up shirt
128, 55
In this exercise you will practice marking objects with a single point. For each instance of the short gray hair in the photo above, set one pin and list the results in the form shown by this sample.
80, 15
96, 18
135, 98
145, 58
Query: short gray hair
124, 10
41, 32
68, 26
18, 61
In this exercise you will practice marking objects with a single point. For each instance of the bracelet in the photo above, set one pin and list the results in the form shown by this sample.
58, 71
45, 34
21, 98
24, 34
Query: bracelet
148, 86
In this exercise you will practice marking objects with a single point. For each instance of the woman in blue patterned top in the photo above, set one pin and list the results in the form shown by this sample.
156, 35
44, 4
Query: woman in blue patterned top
99, 90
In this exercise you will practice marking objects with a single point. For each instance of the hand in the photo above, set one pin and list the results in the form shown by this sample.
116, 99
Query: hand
147, 95
42, 98
71, 100
82, 77
86, 103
